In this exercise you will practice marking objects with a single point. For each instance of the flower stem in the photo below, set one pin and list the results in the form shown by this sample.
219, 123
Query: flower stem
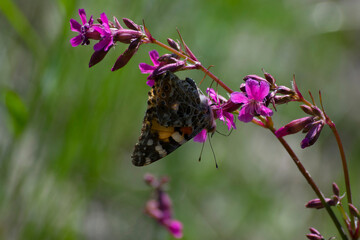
311, 182
344, 164
201, 67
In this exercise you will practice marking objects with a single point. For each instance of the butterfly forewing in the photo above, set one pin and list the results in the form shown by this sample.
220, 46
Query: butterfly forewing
175, 114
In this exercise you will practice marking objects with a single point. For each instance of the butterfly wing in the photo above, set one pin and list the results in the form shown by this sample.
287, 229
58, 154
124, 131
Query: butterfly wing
176, 113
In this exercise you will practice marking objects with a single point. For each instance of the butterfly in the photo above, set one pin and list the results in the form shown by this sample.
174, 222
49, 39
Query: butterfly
177, 111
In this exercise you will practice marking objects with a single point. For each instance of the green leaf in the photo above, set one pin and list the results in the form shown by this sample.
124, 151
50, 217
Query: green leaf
17, 111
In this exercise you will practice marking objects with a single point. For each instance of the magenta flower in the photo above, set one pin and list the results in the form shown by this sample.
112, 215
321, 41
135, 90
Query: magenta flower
82, 29
160, 207
201, 136
253, 100
220, 110
106, 41
149, 69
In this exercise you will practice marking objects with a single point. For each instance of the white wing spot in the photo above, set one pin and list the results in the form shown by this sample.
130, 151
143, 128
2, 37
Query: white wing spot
178, 138
160, 150
150, 142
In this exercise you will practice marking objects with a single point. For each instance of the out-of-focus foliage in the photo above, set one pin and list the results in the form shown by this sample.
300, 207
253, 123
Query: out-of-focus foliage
67, 131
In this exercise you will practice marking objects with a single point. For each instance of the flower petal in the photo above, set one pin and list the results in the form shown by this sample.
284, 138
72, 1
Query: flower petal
238, 97
227, 118
82, 15
263, 111
263, 91
251, 88
75, 26
99, 30
154, 55
105, 21
76, 41
245, 115
146, 68
150, 82
201, 136
175, 228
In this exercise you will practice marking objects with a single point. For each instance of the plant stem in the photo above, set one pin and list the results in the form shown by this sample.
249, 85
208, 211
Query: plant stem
311, 182
344, 164
202, 68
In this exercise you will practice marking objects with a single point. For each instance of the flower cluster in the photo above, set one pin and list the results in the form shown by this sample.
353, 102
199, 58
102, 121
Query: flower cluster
311, 125
336, 200
314, 235
108, 33
250, 104
160, 207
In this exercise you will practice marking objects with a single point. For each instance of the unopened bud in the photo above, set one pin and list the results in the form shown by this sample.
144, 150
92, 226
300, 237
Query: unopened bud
130, 24
118, 25
313, 236
283, 99
312, 136
149, 178
317, 111
316, 203
307, 109
173, 44
354, 211
335, 189
284, 90
255, 77
269, 78
315, 231
293, 126
168, 58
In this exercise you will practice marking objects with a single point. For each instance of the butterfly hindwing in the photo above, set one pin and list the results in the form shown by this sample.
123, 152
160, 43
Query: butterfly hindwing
176, 113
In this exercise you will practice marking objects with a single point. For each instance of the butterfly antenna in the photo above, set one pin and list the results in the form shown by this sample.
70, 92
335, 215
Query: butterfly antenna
212, 149
202, 148
223, 134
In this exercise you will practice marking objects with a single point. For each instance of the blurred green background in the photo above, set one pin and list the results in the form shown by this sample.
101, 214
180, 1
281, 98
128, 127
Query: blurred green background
67, 132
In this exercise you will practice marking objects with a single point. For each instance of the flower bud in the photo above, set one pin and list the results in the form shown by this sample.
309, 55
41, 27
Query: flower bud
284, 90
282, 99
335, 189
130, 24
293, 126
168, 58
313, 236
173, 44
127, 55
316, 203
255, 77
312, 136
307, 109
149, 179
317, 111
354, 211
315, 231
126, 35
269, 78
118, 25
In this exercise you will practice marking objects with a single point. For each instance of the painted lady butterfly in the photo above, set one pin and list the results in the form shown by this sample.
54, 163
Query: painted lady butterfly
177, 111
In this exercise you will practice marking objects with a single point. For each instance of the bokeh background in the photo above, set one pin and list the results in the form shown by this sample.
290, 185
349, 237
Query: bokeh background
67, 132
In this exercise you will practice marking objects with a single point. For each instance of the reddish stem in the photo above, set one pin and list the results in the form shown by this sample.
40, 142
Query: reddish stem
202, 68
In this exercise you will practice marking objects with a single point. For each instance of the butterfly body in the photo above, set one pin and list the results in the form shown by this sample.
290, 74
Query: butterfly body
176, 112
